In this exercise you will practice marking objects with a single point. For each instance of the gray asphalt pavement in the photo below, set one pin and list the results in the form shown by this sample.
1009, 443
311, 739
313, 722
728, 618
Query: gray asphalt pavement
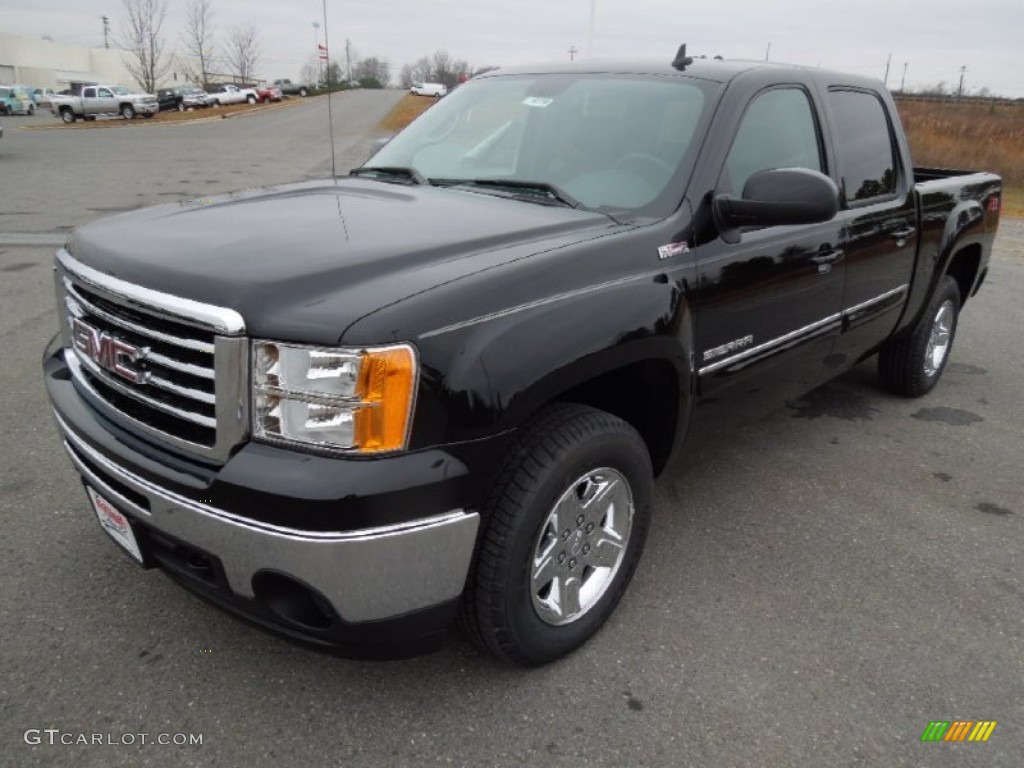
818, 585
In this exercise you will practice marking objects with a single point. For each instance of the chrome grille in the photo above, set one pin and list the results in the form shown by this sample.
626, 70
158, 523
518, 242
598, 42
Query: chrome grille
191, 360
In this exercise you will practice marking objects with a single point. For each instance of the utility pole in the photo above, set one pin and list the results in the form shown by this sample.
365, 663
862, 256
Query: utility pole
572, 53
590, 34
348, 59
106, 31
903, 80
960, 90
768, 51
888, 62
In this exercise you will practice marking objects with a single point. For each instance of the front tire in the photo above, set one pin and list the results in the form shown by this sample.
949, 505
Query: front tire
565, 526
127, 111
911, 366
250, 99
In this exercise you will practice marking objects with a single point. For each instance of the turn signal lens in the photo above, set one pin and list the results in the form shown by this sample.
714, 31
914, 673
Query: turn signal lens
387, 381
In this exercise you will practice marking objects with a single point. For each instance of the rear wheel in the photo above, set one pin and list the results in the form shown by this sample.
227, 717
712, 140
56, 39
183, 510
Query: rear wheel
911, 366
565, 528
127, 111
303, 92
67, 115
181, 106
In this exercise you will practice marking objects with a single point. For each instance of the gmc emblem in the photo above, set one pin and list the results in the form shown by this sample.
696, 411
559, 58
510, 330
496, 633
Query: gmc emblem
108, 352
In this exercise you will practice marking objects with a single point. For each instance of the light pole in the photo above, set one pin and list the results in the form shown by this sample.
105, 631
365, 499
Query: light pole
903, 80
316, 47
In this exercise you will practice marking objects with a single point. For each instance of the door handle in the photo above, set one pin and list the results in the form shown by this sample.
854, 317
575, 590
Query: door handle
825, 258
902, 235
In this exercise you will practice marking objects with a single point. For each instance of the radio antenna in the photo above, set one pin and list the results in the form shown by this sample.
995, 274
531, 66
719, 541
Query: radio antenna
330, 113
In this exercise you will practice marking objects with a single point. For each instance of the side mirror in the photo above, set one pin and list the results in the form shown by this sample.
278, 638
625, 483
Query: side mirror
777, 197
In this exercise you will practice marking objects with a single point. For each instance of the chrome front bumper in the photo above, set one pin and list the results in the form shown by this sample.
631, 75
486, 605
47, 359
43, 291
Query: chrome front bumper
366, 575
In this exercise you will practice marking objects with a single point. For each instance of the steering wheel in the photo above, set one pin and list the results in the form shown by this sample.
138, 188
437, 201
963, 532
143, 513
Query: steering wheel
641, 158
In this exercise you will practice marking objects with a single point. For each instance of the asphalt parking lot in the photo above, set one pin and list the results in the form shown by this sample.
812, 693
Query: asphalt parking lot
819, 584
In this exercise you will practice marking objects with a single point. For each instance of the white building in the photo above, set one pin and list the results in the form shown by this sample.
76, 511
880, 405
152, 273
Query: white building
49, 64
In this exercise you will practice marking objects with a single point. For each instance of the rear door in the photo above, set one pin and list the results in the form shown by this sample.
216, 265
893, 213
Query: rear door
879, 215
769, 304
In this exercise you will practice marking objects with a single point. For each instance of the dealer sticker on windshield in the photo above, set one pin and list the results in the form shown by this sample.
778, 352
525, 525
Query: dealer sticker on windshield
115, 524
537, 101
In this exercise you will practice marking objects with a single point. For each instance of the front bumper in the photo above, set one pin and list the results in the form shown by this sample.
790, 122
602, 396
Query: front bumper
385, 590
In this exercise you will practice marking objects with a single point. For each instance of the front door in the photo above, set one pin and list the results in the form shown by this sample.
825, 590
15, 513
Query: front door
769, 305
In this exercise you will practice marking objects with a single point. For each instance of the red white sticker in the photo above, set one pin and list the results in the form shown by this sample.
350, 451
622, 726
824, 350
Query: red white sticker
993, 204
672, 249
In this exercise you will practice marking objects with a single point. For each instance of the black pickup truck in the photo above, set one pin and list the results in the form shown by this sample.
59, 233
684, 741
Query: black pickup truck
444, 389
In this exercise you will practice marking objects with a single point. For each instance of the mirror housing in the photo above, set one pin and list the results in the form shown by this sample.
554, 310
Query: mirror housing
777, 197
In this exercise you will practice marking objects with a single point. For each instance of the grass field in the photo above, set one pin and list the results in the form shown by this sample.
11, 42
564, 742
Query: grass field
407, 110
972, 136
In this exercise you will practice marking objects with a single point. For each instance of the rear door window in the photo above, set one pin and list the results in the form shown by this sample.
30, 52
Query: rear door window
864, 145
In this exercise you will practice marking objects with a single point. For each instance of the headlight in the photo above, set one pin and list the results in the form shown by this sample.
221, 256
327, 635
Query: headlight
357, 400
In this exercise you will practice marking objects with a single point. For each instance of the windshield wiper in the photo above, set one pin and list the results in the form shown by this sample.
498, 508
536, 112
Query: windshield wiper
550, 191
389, 173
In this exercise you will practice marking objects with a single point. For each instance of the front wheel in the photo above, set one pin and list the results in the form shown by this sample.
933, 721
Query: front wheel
251, 99
127, 111
911, 366
564, 530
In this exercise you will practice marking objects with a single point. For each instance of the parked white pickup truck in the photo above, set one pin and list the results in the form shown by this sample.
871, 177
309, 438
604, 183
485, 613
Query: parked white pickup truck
232, 94
104, 100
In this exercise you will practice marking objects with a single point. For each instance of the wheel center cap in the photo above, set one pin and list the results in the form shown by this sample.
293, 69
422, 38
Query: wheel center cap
576, 543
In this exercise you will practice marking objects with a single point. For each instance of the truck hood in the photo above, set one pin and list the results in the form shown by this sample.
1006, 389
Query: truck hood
302, 262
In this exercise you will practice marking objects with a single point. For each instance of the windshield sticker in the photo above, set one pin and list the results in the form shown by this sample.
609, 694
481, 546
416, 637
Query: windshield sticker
672, 249
537, 101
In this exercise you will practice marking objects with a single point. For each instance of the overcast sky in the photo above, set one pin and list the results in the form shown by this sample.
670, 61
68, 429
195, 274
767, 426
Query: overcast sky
933, 37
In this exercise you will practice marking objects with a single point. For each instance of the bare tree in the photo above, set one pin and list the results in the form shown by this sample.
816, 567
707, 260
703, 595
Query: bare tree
372, 72
310, 72
243, 52
405, 76
141, 38
198, 36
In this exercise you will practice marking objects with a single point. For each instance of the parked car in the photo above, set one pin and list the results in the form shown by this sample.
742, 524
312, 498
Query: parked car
437, 90
182, 97
97, 100
266, 93
456, 402
288, 88
16, 100
43, 96
223, 95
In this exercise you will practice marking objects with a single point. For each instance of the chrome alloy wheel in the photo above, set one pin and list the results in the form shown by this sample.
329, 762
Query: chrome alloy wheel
581, 546
939, 339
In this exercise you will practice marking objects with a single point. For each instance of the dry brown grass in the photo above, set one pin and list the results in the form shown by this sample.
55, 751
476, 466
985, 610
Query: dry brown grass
970, 136
407, 110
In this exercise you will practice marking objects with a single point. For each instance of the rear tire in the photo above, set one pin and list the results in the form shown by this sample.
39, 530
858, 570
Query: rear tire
303, 92
565, 526
912, 365
68, 115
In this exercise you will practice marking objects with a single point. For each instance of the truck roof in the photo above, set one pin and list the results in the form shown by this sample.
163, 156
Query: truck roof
716, 70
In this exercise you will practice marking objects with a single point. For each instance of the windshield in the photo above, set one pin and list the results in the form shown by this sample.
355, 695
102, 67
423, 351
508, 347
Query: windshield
612, 143
120, 90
